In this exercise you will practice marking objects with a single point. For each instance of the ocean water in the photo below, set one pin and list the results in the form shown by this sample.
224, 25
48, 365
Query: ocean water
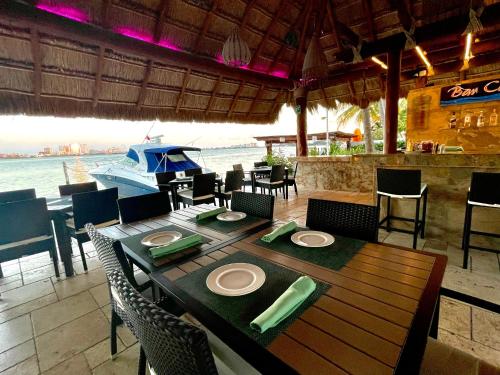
46, 174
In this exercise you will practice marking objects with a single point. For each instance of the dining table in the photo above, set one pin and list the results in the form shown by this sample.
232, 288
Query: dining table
60, 209
265, 171
372, 311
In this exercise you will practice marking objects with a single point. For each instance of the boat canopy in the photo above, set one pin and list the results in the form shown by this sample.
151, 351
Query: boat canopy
163, 158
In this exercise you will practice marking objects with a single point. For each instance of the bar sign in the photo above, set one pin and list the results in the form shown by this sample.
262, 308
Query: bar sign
475, 92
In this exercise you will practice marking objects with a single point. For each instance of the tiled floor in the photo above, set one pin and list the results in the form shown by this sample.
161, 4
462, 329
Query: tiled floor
53, 326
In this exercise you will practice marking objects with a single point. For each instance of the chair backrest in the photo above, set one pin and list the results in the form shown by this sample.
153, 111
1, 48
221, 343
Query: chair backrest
192, 172
260, 164
164, 178
171, 346
237, 167
95, 207
296, 166
346, 219
24, 219
485, 187
203, 184
277, 173
399, 181
233, 181
259, 205
71, 189
143, 207
17, 195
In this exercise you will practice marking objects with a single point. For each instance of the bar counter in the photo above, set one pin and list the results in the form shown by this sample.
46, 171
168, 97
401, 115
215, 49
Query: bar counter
447, 176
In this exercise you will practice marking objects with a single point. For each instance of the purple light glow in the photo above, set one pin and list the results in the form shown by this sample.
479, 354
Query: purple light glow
131, 33
279, 73
168, 44
65, 11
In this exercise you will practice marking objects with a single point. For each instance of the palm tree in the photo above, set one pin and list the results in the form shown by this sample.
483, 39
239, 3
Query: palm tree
366, 116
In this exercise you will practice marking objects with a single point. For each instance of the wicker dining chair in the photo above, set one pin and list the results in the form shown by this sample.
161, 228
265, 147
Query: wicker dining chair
17, 195
259, 205
290, 180
192, 172
143, 207
232, 182
70, 189
202, 191
246, 181
162, 180
346, 219
275, 181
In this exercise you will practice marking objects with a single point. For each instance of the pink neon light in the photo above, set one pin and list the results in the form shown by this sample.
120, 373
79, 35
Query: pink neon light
65, 11
168, 44
131, 33
279, 73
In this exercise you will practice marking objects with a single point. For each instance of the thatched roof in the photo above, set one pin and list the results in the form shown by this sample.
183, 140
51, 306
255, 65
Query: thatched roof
96, 65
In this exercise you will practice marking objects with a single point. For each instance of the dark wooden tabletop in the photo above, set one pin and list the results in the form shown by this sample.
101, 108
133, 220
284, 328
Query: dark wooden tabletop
375, 318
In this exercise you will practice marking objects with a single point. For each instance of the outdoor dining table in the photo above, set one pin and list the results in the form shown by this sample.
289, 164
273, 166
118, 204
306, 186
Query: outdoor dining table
59, 211
373, 309
175, 183
266, 170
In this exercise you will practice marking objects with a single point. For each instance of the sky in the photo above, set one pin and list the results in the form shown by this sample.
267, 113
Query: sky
25, 134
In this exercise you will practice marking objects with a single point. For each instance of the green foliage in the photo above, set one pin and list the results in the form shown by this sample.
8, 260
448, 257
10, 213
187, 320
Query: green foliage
278, 159
336, 149
313, 151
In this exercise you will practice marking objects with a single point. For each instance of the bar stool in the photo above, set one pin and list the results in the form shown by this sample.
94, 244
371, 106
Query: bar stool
484, 191
402, 184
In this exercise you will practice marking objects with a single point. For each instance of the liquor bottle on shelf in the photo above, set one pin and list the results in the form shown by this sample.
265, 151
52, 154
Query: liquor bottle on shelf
467, 120
480, 119
493, 118
453, 121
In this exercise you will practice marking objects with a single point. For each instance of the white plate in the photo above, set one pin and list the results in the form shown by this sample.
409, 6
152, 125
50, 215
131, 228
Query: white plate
236, 279
231, 216
312, 238
161, 238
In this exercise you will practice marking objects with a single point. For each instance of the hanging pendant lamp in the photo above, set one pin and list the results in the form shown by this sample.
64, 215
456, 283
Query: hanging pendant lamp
315, 65
235, 51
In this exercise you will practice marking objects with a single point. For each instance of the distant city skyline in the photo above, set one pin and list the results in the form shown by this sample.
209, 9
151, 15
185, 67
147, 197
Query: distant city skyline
24, 134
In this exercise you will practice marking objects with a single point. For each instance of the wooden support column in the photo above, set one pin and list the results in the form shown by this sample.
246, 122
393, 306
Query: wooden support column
391, 101
300, 96
269, 147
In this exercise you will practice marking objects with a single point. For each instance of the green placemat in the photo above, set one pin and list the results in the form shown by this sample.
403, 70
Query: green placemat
225, 226
240, 311
334, 256
134, 242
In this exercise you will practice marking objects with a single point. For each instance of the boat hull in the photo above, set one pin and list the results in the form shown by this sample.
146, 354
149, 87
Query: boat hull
126, 187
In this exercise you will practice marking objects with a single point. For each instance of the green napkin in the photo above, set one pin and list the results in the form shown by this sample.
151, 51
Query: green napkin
206, 215
285, 228
285, 305
183, 243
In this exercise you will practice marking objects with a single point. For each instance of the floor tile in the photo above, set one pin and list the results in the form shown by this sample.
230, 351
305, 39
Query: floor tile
10, 269
483, 261
40, 273
79, 283
27, 367
403, 239
100, 294
455, 317
71, 338
101, 352
17, 354
125, 364
75, 365
56, 314
9, 279
27, 307
25, 294
125, 335
15, 332
92, 264
12, 285
486, 328
31, 264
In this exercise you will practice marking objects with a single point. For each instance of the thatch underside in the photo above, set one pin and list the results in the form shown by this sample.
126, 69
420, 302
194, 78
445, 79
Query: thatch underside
45, 73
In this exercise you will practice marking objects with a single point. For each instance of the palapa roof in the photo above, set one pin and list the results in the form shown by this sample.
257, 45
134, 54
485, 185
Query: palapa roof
160, 59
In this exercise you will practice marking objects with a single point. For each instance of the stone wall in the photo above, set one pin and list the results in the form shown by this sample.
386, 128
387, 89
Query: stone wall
447, 176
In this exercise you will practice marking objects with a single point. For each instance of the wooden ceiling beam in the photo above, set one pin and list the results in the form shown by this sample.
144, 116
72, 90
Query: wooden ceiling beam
105, 7
255, 99
214, 93
144, 85
276, 101
236, 98
98, 76
368, 11
160, 20
402, 7
263, 41
27, 16
187, 75
246, 14
303, 32
37, 64
206, 24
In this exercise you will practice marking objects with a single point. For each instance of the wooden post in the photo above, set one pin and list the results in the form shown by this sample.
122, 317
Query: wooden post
269, 147
391, 101
300, 96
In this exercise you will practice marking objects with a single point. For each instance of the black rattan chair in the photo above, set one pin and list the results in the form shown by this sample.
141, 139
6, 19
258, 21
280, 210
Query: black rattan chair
163, 179
346, 219
202, 191
246, 181
258, 164
113, 258
26, 229
17, 195
402, 184
96, 207
290, 181
70, 189
484, 192
169, 345
143, 207
232, 182
259, 205
193, 171
274, 182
